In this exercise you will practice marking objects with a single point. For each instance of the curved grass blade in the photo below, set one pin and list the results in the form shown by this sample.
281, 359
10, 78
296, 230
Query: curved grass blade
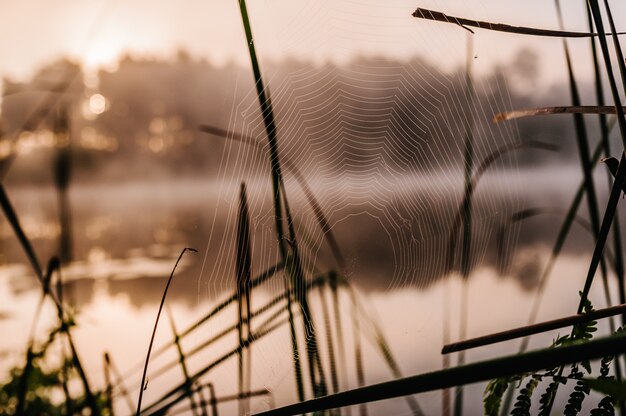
156, 323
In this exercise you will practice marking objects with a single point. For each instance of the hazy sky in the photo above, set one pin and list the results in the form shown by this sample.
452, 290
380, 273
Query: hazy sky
98, 31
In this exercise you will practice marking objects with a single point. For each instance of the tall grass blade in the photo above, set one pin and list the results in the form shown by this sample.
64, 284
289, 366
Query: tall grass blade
270, 129
142, 386
585, 160
606, 145
621, 171
244, 277
53, 265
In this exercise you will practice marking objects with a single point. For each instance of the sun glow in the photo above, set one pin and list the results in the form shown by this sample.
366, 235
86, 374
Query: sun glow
104, 54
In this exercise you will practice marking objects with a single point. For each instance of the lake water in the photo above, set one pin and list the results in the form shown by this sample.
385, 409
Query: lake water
393, 235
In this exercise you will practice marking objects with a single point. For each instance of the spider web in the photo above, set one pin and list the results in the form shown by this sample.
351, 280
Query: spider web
380, 142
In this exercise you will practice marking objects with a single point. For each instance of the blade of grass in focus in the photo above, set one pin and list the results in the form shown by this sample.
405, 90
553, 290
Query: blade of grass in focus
143, 386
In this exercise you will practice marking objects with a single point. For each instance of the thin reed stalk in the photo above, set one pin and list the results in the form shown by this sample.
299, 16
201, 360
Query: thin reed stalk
316, 371
143, 386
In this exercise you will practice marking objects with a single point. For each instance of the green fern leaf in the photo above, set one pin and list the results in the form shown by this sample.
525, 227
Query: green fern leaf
492, 398
524, 399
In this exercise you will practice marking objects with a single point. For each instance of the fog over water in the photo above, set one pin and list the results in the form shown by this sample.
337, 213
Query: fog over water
375, 133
